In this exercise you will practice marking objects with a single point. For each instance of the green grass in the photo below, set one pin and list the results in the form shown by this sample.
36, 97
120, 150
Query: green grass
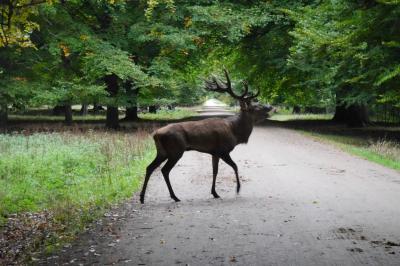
289, 117
160, 115
51, 118
74, 176
383, 152
168, 114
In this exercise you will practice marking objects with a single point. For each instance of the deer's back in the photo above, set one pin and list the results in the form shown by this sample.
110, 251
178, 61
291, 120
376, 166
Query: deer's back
213, 135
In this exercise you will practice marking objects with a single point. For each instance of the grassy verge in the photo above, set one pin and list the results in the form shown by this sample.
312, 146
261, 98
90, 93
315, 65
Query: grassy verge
384, 152
168, 114
72, 178
379, 150
160, 115
54, 118
289, 117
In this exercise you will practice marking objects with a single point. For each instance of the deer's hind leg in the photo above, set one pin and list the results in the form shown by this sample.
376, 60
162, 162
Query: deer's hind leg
167, 169
227, 158
215, 161
149, 170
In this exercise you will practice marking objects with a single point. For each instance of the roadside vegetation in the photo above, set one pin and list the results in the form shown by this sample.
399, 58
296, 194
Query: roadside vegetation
56, 184
376, 144
168, 114
381, 151
46, 116
52, 118
287, 117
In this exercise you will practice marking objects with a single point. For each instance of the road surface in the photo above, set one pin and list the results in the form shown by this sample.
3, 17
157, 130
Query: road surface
302, 203
214, 107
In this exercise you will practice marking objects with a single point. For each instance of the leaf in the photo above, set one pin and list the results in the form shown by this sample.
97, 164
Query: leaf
388, 75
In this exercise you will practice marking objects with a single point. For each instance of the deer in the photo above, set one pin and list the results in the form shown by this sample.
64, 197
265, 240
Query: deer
215, 136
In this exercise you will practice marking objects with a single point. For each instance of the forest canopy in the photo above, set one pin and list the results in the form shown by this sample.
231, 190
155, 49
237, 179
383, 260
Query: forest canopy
337, 54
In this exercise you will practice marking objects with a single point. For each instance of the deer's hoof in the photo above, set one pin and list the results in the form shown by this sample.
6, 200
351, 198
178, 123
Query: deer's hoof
216, 196
175, 199
141, 199
238, 189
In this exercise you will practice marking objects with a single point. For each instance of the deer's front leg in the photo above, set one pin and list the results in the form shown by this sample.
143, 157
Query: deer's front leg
215, 161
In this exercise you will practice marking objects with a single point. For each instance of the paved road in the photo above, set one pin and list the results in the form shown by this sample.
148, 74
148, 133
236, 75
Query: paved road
302, 203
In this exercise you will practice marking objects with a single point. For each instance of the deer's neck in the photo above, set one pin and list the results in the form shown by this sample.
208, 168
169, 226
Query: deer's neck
242, 126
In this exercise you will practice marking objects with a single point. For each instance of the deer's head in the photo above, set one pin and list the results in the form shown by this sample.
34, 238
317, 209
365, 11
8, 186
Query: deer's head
248, 102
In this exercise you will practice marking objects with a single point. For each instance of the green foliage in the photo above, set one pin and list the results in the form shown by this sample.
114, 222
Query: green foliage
15, 25
341, 46
317, 53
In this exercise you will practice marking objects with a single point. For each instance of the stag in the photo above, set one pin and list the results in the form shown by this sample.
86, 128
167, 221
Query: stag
215, 136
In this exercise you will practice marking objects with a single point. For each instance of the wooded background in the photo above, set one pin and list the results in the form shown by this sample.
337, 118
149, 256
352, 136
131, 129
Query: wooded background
341, 56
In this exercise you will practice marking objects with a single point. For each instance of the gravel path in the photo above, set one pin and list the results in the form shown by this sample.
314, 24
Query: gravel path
302, 203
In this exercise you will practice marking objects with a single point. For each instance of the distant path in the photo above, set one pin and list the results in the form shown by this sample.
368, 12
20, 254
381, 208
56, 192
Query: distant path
302, 203
214, 107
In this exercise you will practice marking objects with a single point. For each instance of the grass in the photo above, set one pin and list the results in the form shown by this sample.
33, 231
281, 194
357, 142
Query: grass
290, 117
160, 115
383, 152
168, 114
75, 177
379, 150
52, 118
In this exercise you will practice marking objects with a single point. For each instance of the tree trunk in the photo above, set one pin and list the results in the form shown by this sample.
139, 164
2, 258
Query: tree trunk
68, 114
112, 120
296, 109
132, 109
3, 116
131, 114
152, 109
112, 117
97, 108
355, 115
84, 110
58, 110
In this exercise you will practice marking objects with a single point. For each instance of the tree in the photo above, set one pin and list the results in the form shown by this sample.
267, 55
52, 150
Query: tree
341, 46
15, 26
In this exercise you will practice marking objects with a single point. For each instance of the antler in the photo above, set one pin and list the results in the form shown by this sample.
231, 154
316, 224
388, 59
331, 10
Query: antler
250, 96
217, 85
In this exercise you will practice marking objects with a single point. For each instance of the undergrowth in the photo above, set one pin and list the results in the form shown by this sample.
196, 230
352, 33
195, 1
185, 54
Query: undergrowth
72, 176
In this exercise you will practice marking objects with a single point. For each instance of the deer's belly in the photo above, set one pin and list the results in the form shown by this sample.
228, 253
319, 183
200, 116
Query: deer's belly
209, 148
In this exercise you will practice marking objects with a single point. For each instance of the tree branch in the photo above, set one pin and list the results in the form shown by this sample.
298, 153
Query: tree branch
3, 32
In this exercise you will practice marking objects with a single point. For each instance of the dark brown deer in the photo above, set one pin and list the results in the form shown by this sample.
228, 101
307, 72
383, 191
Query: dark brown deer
216, 136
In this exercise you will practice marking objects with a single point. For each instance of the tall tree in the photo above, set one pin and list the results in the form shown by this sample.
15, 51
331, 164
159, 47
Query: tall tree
15, 28
341, 46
